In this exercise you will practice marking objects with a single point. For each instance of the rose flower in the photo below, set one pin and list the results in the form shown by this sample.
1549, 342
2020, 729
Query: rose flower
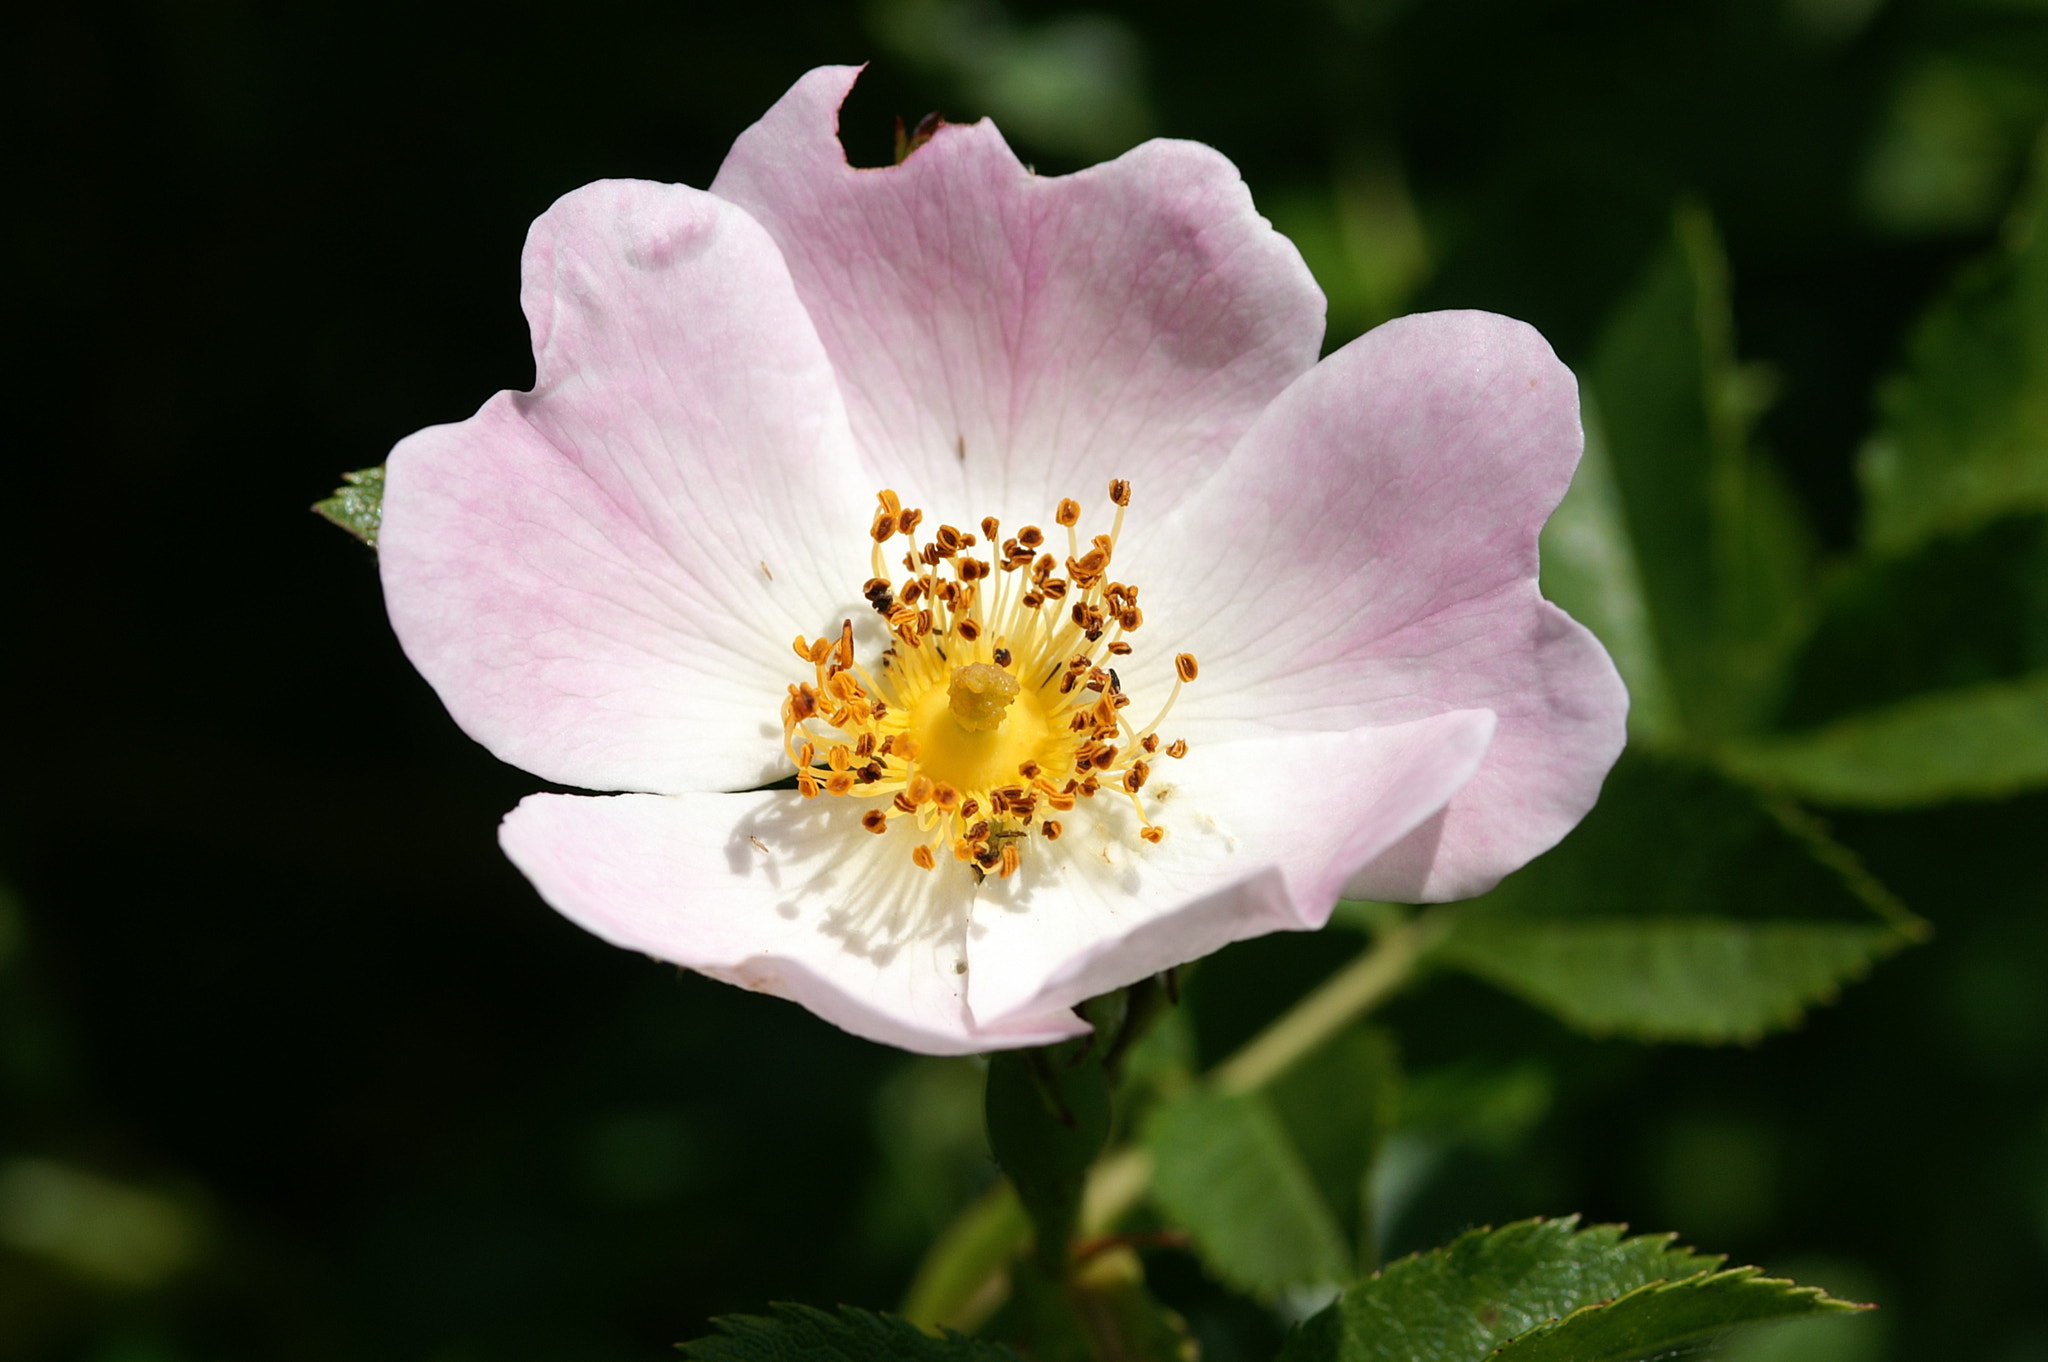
977, 590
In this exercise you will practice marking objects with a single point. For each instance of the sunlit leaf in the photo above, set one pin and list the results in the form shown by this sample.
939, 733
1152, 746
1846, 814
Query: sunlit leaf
1459, 1302
1561, 1294
1965, 424
1652, 1320
358, 504
800, 1333
1224, 1169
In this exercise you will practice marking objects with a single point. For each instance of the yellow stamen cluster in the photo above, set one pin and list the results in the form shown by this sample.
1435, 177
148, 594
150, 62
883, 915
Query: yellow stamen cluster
994, 706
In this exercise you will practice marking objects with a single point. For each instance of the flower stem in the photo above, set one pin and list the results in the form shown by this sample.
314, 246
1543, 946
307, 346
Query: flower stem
960, 1281
1344, 997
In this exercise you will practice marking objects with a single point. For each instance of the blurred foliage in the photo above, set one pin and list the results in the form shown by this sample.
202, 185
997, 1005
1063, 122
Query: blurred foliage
798, 1331
292, 1066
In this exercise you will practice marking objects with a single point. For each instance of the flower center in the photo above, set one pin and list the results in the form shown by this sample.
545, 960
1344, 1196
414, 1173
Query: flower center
994, 707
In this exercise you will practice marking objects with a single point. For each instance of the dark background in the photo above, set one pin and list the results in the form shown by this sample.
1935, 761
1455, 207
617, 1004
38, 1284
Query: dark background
260, 961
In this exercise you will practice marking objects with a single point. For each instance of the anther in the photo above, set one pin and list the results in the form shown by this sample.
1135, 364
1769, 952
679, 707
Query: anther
1153, 833
1069, 512
1051, 828
1031, 536
1178, 749
1120, 491
989, 526
922, 858
1184, 666
875, 821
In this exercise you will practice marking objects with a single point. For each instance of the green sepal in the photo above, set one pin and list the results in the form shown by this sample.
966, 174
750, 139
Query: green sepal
358, 504
1048, 1116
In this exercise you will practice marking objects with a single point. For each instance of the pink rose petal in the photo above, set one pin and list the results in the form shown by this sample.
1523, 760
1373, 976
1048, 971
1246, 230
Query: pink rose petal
775, 893
602, 578
1368, 556
1006, 339
1262, 835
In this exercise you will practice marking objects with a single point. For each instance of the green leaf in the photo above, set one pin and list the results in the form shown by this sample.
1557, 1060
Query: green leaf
1224, 1168
1651, 1320
1982, 742
1723, 555
1465, 1299
1925, 680
1964, 432
1461, 1302
1685, 907
1697, 979
358, 504
1477, 1104
1590, 569
1953, 612
802, 1333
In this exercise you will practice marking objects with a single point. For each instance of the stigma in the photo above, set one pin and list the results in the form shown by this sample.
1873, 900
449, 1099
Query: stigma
994, 715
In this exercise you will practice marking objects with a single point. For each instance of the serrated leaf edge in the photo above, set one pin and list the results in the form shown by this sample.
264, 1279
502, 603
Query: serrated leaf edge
1616, 1232
357, 505
1818, 1295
